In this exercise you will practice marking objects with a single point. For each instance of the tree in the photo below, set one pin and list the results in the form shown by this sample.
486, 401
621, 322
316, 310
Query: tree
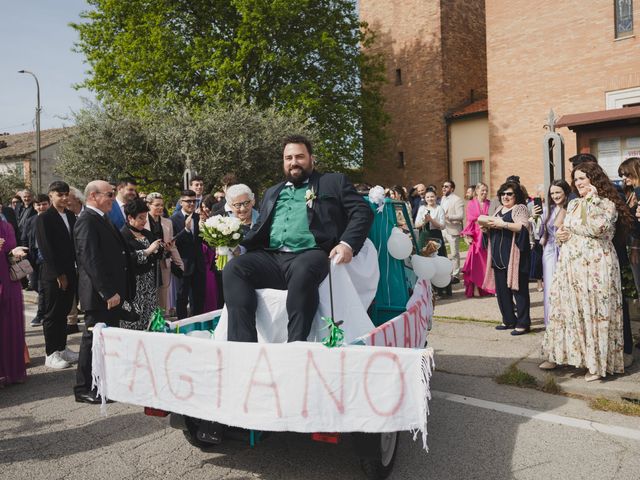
11, 180
155, 144
292, 55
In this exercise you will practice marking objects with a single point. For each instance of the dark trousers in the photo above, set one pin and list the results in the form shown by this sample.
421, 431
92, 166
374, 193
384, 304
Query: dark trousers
57, 305
83, 373
299, 273
190, 291
521, 317
37, 286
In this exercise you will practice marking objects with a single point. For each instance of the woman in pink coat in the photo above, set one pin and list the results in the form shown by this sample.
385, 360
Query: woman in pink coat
475, 265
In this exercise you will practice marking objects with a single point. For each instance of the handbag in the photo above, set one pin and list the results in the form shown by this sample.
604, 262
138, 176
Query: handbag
19, 269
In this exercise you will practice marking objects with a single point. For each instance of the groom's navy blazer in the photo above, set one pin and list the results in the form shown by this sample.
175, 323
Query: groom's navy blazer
337, 214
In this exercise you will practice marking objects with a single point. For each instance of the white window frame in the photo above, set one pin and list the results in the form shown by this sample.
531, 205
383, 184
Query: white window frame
620, 98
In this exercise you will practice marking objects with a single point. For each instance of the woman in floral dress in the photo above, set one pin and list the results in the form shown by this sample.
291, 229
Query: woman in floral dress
585, 322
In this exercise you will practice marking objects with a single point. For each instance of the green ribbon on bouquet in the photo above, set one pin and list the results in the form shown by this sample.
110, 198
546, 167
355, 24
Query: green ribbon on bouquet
336, 334
158, 323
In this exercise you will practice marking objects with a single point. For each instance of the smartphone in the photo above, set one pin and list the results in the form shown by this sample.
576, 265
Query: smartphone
537, 202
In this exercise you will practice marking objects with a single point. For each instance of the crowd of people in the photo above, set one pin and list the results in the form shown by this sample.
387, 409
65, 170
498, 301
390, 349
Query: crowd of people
118, 255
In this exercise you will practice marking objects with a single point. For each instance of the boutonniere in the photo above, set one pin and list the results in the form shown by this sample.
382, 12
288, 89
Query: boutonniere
310, 196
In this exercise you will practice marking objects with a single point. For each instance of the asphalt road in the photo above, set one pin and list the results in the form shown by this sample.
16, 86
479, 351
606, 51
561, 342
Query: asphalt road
474, 433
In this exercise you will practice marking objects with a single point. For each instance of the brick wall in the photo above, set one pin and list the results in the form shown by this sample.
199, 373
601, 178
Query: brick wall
434, 80
543, 55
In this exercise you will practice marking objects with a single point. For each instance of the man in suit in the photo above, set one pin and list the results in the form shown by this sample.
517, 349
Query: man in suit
28, 210
453, 207
197, 186
106, 277
57, 274
28, 239
303, 222
125, 192
187, 231
76, 205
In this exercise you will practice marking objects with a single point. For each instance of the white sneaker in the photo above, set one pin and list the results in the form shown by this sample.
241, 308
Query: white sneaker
56, 361
69, 355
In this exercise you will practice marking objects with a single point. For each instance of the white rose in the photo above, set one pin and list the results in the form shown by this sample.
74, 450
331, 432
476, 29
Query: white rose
236, 236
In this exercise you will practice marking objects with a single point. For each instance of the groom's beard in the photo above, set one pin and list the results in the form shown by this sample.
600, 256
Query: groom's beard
300, 177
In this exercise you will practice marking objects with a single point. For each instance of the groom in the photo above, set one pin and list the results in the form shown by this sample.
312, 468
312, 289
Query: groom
303, 222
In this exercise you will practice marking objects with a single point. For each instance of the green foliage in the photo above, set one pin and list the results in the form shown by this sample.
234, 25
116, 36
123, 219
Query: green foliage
155, 144
516, 377
11, 180
292, 55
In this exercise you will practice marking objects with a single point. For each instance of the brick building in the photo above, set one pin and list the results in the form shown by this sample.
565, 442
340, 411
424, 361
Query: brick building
578, 58
436, 63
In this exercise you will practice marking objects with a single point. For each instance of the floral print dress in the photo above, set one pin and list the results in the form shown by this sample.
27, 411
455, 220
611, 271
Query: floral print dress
585, 321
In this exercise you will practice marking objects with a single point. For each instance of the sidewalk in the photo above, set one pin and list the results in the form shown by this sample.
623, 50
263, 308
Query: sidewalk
466, 343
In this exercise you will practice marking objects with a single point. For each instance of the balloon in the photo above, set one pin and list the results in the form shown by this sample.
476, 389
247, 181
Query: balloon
443, 266
440, 280
399, 244
424, 267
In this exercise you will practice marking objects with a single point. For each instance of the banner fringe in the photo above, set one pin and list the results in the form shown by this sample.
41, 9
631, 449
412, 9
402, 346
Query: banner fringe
426, 369
98, 373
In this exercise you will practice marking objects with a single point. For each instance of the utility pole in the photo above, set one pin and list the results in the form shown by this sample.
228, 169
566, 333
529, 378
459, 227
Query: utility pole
38, 159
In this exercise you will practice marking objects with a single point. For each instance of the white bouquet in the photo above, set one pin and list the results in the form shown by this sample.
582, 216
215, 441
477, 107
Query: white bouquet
223, 233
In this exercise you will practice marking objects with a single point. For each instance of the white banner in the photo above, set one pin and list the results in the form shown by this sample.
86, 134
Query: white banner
410, 329
297, 387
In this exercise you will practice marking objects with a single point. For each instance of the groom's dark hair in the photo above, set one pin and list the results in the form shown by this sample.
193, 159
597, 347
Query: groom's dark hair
298, 139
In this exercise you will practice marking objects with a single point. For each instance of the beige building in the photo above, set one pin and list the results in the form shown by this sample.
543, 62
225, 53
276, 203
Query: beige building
18, 151
468, 133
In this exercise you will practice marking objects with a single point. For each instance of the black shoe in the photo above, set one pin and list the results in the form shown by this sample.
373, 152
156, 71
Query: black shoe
36, 322
72, 328
90, 397
520, 332
502, 326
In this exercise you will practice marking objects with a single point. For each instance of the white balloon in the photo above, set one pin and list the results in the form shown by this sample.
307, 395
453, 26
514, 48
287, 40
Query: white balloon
439, 280
424, 267
443, 266
399, 244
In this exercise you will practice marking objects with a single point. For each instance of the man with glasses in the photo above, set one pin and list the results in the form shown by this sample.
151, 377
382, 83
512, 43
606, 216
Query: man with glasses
106, 276
453, 207
187, 234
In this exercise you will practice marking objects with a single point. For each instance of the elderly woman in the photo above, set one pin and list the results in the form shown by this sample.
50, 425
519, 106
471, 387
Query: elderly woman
162, 229
147, 251
508, 258
240, 202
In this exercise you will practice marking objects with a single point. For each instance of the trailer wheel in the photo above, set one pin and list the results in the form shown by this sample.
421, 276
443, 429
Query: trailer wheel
377, 453
191, 435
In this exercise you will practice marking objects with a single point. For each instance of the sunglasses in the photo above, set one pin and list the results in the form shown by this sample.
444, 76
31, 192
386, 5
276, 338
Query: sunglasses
507, 194
244, 204
188, 201
623, 174
108, 194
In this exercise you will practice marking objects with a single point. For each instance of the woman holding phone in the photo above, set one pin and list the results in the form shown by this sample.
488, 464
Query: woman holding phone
552, 218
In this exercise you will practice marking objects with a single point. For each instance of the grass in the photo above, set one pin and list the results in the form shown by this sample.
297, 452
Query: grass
466, 319
551, 386
618, 406
462, 246
516, 377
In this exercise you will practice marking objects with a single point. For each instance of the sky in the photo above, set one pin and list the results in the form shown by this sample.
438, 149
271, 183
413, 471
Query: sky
35, 36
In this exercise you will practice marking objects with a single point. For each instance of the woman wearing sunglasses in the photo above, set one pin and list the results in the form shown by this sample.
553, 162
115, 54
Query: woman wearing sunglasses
508, 258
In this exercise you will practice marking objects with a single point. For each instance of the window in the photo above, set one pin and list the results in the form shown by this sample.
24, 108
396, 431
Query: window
624, 18
398, 76
401, 163
628, 97
473, 172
